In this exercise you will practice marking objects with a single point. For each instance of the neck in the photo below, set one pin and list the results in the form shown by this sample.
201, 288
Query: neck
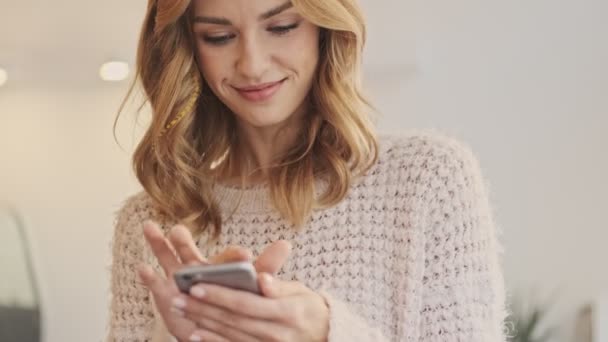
260, 148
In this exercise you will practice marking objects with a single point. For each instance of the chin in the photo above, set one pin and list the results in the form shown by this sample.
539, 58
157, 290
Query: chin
264, 120
261, 118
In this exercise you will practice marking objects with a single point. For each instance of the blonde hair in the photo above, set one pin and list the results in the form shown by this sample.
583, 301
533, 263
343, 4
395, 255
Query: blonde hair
176, 167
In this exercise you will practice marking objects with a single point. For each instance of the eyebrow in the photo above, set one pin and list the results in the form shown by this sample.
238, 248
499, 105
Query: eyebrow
223, 21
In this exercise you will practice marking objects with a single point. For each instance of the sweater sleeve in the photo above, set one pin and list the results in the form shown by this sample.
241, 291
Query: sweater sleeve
463, 287
346, 325
132, 316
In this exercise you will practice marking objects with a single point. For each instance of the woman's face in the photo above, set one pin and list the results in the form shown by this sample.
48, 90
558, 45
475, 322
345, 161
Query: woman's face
258, 56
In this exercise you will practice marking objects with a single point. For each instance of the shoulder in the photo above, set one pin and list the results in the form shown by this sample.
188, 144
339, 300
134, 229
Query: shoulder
133, 212
136, 207
430, 159
424, 146
445, 176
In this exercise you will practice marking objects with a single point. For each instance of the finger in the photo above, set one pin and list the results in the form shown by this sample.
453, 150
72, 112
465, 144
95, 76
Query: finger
240, 302
161, 247
229, 324
189, 254
221, 329
232, 253
149, 278
207, 336
275, 288
161, 294
273, 257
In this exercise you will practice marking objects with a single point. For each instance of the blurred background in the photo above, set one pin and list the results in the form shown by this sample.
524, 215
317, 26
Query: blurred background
524, 83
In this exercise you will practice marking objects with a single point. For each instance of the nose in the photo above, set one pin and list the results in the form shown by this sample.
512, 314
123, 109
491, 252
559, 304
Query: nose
253, 60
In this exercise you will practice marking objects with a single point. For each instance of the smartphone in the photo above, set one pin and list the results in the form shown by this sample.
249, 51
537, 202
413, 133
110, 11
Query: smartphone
236, 275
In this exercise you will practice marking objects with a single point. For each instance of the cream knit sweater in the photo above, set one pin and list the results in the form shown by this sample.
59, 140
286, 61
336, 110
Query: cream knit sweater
411, 253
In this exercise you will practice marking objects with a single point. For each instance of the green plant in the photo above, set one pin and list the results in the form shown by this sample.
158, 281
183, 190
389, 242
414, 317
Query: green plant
525, 323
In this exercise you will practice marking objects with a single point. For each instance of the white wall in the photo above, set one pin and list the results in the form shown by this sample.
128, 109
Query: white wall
525, 83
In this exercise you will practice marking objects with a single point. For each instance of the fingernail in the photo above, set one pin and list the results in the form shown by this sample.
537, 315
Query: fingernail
177, 311
268, 278
178, 302
197, 292
195, 338
148, 223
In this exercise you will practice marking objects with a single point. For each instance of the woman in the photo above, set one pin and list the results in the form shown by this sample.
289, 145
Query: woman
260, 149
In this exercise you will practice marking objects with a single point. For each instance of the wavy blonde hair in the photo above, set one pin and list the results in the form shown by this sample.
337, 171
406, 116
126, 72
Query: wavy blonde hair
177, 167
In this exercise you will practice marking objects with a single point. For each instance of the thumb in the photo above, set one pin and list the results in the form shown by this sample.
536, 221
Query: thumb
272, 287
232, 254
273, 257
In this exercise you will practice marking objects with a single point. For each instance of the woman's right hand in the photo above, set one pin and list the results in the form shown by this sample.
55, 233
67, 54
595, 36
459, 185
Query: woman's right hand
186, 253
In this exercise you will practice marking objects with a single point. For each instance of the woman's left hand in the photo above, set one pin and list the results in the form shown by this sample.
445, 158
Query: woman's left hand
288, 311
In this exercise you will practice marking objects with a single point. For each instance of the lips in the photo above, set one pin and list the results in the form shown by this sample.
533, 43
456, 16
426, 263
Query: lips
259, 92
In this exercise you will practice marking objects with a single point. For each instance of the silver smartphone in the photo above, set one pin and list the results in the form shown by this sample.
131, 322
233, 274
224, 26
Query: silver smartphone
236, 275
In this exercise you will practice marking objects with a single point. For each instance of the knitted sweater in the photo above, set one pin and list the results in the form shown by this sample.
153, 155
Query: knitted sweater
411, 253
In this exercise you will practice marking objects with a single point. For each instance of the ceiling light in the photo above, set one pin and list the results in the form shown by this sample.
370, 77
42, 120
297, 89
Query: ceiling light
3, 77
114, 71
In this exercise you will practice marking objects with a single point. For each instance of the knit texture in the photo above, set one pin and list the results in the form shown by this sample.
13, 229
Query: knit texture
411, 254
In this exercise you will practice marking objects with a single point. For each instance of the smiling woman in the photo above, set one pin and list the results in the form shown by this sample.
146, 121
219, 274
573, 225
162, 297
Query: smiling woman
261, 144
261, 67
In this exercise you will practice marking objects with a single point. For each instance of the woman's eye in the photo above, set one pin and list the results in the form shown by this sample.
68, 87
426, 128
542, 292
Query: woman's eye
280, 30
225, 39
218, 40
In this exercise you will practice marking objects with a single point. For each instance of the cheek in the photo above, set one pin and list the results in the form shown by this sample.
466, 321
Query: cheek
306, 49
211, 65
